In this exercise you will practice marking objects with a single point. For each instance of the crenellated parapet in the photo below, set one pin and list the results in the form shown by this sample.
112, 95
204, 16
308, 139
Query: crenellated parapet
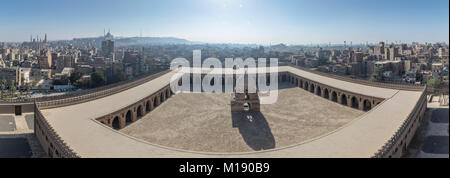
398, 143
50, 141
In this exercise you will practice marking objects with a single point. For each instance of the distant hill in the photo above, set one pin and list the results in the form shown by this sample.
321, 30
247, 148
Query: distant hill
131, 41
146, 41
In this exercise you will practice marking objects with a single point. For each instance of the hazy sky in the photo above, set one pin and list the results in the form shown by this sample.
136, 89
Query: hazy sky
231, 21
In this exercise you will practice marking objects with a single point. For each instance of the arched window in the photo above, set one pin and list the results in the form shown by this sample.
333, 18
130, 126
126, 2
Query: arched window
128, 119
116, 123
367, 105
355, 103
326, 94
334, 97
344, 99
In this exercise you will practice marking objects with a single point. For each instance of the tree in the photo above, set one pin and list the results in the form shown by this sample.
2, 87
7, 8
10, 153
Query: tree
377, 75
28, 87
97, 79
75, 77
435, 83
41, 89
63, 81
81, 84
13, 88
3, 86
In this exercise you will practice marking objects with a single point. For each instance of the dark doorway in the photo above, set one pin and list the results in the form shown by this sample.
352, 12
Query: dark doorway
147, 106
326, 94
344, 100
116, 123
139, 113
18, 110
355, 103
334, 97
319, 91
367, 105
128, 119
155, 102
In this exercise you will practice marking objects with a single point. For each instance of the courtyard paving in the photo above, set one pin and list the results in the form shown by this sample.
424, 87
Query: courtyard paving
431, 139
204, 122
17, 139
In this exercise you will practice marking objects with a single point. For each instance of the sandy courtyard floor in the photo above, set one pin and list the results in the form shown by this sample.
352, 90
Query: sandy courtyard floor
204, 122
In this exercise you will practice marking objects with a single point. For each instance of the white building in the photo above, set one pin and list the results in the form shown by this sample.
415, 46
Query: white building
25, 75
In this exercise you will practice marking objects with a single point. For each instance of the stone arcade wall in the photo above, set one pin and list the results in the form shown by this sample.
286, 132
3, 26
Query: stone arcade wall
132, 113
56, 147
347, 98
396, 86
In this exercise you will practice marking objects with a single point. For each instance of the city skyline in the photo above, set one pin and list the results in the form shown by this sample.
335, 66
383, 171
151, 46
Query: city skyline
232, 21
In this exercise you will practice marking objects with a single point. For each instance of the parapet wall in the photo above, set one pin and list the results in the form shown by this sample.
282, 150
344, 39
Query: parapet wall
10, 108
399, 86
55, 146
90, 95
50, 141
397, 145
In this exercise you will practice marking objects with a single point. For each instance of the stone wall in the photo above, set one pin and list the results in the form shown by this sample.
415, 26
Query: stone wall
398, 144
347, 98
50, 141
134, 112
11, 108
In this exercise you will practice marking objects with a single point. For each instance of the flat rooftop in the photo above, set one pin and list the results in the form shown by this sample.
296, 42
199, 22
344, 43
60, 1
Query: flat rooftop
203, 122
362, 137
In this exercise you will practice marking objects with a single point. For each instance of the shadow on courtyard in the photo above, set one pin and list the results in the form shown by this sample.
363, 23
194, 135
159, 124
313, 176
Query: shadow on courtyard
440, 115
254, 129
14, 146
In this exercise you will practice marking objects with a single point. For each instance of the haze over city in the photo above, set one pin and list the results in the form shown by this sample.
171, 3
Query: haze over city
232, 21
